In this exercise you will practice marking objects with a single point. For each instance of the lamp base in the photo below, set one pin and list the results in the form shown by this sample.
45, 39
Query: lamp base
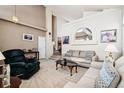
109, 57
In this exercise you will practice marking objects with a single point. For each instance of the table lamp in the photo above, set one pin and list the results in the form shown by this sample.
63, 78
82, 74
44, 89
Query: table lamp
1, 57
111, 49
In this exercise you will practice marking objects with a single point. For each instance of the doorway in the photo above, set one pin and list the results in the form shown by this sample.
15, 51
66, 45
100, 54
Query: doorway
41, 47
59, 45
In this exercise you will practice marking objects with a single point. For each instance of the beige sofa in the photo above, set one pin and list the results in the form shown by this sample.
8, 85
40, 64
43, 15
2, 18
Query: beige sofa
82, 58
89, 78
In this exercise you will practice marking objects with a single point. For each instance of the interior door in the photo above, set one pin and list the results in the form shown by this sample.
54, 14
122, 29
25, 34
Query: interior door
41, 47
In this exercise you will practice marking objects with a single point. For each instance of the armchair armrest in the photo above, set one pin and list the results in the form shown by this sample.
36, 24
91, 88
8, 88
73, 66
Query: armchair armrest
18, 64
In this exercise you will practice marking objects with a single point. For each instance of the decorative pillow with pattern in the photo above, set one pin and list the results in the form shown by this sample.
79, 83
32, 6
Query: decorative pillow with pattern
108, 76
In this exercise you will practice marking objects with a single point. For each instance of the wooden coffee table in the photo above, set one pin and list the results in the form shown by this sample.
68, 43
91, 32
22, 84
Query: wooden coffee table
69, 63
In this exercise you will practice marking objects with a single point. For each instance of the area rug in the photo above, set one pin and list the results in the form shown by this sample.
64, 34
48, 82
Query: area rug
49, 77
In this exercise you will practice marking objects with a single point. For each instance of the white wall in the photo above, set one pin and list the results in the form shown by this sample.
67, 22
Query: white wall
123, 30
31, 15
31, 19
109, 19
54, 28
89, 13
49, 44
60, 23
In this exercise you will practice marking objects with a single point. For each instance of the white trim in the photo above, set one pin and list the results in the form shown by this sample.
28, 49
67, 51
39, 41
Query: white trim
25, 24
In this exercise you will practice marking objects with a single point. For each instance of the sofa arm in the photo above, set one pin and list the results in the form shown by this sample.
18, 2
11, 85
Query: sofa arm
95, 58
96, 64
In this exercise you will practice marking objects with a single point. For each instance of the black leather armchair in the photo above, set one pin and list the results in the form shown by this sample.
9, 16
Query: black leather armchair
19, 64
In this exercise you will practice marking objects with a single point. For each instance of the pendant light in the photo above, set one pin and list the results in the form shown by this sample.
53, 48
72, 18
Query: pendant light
14, 17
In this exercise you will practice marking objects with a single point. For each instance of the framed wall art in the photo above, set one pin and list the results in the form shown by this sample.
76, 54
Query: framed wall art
65, 39
28, 37
108, 36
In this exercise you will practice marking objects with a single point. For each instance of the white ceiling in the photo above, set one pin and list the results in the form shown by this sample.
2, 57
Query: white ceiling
72, 12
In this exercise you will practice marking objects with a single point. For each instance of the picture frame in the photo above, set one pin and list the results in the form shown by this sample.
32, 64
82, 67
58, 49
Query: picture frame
108, 36
65, 39
28, 37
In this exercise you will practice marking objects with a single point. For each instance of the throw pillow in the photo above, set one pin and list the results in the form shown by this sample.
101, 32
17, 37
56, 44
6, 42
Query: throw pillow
108, 76
69, 53
82, 54
75, 53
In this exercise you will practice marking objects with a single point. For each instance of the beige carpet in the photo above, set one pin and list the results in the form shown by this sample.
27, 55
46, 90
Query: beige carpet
49, 77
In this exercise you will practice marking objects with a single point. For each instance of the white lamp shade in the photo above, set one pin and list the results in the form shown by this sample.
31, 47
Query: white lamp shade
111, 48
1, 56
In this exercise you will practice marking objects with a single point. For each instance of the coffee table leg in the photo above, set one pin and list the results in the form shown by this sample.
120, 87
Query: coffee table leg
70, 68
56, 66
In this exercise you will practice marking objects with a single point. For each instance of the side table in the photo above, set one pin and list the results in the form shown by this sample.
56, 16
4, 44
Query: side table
15, 82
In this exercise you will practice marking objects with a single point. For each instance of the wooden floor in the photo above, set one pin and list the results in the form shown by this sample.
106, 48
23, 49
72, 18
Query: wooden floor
49, 77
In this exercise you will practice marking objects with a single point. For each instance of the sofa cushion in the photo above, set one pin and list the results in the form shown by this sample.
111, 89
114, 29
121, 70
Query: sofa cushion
97, 65
18, 64
121, 72
85, 82
88, 80
119, 62
71, 51
68, 54
92, 73
108, 76
119, 65
87, 54
82, 54
66, 57
80, 60
75, 53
